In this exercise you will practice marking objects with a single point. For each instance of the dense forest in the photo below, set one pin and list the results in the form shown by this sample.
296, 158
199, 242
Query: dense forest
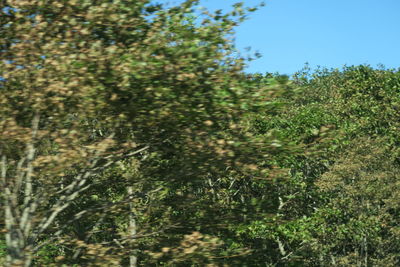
130, 135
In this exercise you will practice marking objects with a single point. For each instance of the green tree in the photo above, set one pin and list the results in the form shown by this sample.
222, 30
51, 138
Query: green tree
337, 205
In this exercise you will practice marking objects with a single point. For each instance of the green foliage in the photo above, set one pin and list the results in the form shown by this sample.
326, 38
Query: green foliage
2, 250
148, 105
346, 123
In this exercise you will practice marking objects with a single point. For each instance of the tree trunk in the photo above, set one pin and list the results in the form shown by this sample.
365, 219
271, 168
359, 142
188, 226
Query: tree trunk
17, 253
132, 229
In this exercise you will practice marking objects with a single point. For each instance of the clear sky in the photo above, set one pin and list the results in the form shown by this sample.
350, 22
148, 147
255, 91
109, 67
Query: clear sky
329, 33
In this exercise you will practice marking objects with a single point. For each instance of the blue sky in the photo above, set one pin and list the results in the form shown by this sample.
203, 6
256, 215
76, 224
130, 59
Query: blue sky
328, 33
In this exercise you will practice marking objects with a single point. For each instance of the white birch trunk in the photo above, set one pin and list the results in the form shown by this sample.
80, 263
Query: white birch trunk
132, 228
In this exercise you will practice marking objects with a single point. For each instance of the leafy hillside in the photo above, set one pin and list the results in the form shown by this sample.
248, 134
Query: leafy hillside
340, 199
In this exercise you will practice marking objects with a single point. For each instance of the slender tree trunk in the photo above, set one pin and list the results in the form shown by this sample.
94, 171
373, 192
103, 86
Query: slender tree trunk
17, 252
365, 251
132, 229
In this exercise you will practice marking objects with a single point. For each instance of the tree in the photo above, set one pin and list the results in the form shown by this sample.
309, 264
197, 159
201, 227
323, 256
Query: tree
90, 85
338, 204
